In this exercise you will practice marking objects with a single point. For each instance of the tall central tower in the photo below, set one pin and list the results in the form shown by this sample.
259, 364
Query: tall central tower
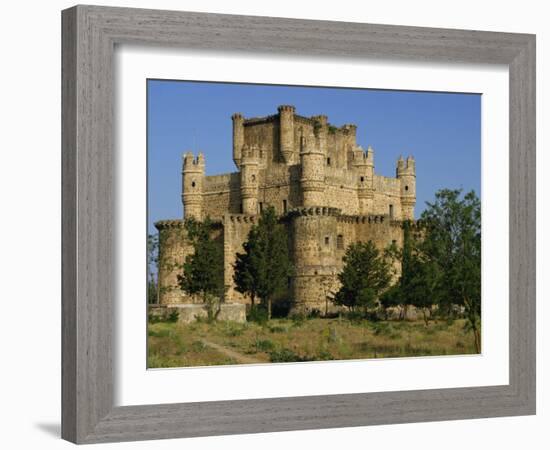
286, 132
249, 180
313, 155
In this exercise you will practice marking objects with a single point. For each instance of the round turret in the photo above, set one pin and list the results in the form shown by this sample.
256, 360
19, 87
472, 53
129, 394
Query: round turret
238, 137
363, 164
192, 182
312, 159
314, 242
286, 132
249, 180
406, 173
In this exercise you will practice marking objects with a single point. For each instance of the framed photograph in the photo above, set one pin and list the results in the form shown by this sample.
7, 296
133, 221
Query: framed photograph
268, 222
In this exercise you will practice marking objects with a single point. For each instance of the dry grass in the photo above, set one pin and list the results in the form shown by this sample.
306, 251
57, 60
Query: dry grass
285, 340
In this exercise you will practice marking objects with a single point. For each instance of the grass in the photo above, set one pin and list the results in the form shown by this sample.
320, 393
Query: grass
296, 340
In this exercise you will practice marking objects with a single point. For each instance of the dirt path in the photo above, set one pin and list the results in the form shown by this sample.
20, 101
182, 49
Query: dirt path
239, 357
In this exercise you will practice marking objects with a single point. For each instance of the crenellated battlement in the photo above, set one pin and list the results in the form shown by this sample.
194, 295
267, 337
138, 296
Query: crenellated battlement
314, 211
239, 218
286, 108
167, 224
371, 218
191, 163
405, 167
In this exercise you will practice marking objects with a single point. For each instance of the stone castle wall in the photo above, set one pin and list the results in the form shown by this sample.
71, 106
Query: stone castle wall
320, 237
174, 246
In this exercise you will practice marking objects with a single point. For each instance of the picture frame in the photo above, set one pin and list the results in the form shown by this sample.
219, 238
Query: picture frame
90, 34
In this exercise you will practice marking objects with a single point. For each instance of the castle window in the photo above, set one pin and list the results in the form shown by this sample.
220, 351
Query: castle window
241, 208
340, 242
193, 184
328, 161
391, 211
284, 206
362, 179
406, 188
253, 177
394, 242
327, 240
261, 206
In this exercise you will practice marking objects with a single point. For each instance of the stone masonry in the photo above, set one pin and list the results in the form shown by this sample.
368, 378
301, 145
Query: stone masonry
321, 183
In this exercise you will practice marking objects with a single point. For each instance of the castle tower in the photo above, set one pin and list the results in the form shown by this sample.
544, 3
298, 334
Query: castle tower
314, 243
286, 132
249, 180
363, 164
172, 252
406, 173
238, 137
192, 181
312, 157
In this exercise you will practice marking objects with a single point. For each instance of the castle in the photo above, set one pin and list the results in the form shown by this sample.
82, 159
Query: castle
321, 183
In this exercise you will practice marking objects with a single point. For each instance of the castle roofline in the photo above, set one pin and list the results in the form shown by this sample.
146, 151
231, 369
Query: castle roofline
251, 121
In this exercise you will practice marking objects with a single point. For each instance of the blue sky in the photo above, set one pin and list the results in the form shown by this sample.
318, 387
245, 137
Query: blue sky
441, 130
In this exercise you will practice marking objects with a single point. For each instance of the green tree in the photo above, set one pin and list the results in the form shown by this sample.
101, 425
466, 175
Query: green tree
366, 274
452, 247
203, 269
152, 268
264, 267
246, 273
420, 280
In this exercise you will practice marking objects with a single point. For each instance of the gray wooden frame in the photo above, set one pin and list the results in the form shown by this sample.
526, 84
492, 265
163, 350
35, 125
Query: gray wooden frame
89, 36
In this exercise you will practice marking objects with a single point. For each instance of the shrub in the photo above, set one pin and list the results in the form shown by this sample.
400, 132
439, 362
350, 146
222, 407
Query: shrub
325, 355
355, 316
264, 345
173, 316
258, 315
314, 314
298, 319
153, 318
233, 329
287, 355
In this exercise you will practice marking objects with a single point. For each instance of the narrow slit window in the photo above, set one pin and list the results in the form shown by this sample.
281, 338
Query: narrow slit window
327, 240
284, 206
391, 211
340, 242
